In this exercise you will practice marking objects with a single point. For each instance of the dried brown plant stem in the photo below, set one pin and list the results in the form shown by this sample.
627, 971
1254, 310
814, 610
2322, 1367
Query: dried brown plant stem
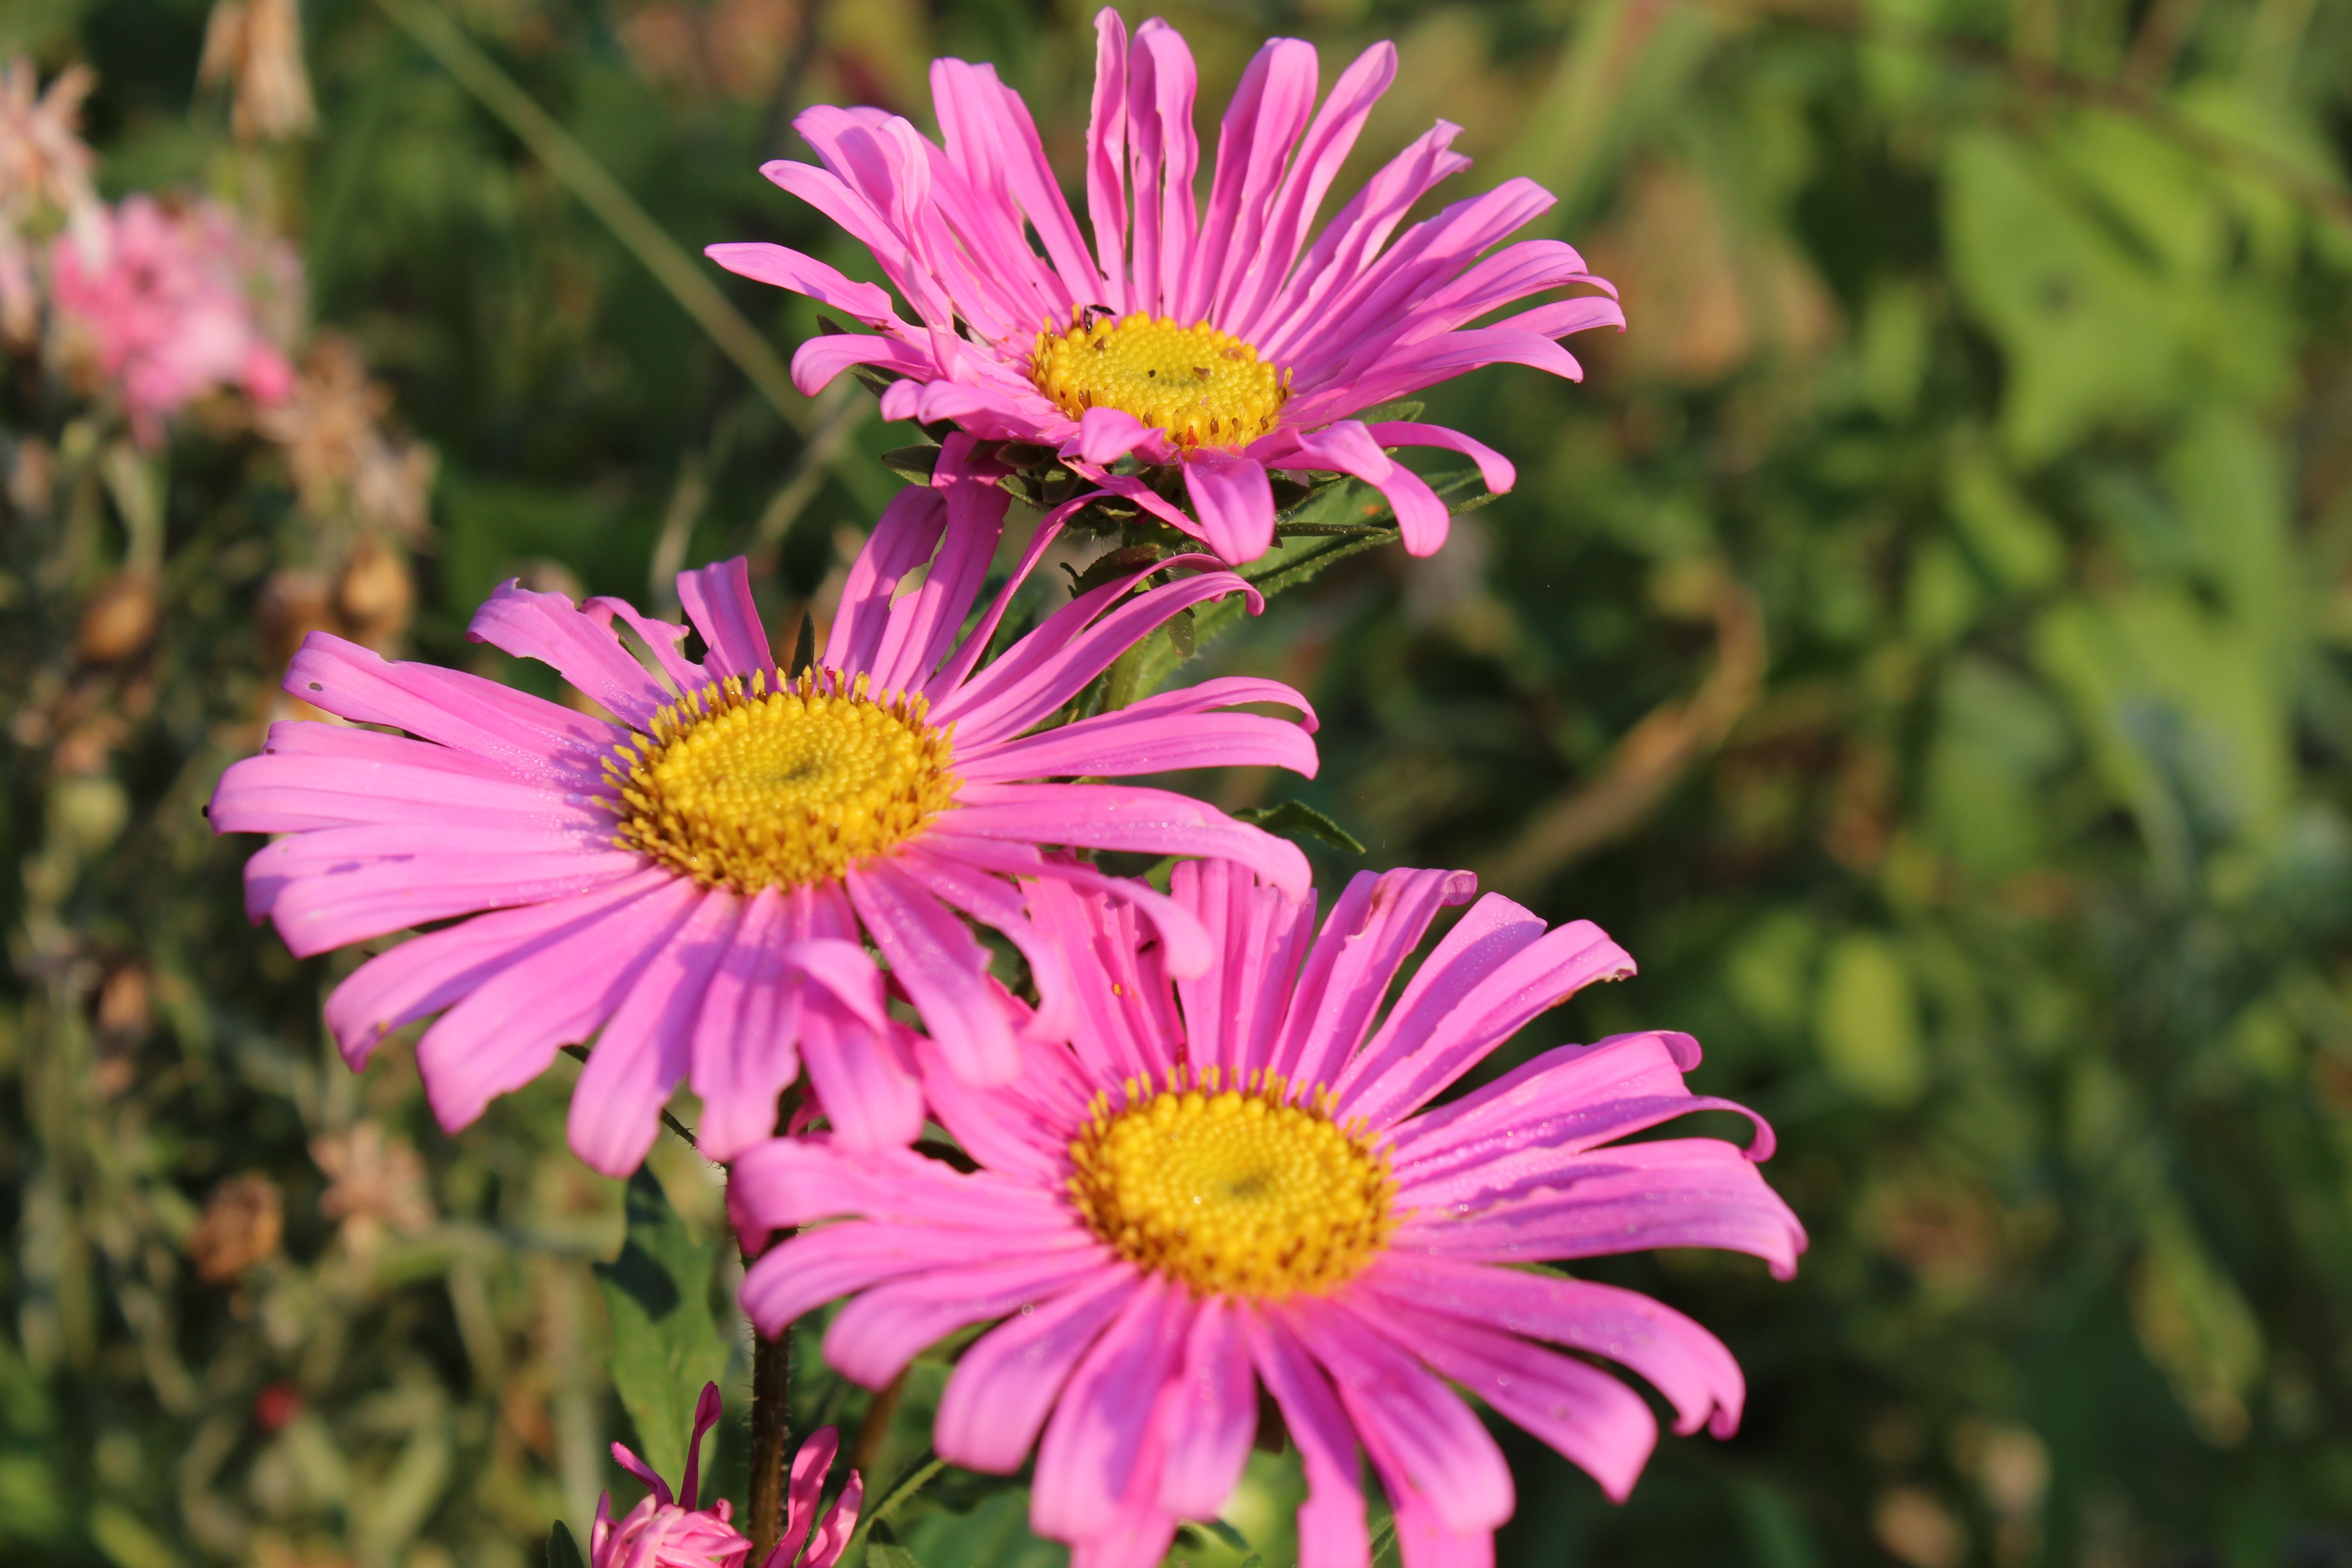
771, 1374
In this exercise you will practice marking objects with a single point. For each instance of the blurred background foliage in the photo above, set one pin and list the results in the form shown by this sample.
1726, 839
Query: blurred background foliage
1925, 641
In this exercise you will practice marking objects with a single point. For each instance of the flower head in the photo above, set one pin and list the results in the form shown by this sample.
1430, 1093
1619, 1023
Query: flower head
1234, 1180
1216, 339
693, 880
170, 304
667, 1531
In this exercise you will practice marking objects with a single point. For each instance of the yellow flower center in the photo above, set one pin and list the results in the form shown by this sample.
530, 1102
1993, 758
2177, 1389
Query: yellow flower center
1202, 387
742, 786
1240, 1192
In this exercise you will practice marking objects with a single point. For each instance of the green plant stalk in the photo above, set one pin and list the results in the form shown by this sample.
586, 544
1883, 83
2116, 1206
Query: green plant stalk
573, 165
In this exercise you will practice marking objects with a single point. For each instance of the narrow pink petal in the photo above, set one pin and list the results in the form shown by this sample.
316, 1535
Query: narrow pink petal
275, 793
1234, 499
646, 1047
318, 904
801, 1274
1495, 470
1420, 1060
1590, 1418
802, 1487
551, 629
528, 736
787, 269
816, 362
1123, 744
877, 1334
1373, 929
942, 966
1125, 1023
1233, 1010
1332, 1530
745, 1048
969, 874
1106, 435
1441, 358
1106, 156
1261, 123
1493, 932
1087, 1458
1344, 251
1687, 1365
1184, 949
506, 1032
718, 599
1208, 1414
1632, 1197
968, 653
427, 974
1119, 816
1564, 316
664, 640
706, 1416
904, 538
832, 1537
1422, 1438
864, 1078
1162, 154
921, 631
1138, 1538
803, 1179
1004, 1386
1022, 1129
997, 117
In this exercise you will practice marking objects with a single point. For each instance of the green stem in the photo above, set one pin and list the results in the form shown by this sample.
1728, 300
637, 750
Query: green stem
573, 163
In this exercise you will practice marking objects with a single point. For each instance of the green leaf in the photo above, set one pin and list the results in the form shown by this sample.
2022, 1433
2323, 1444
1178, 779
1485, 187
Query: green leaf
1218, 1529
665, 1344
882, 1554
1299, 819
562, 1552
914, 465
1405, 409
1869, 1021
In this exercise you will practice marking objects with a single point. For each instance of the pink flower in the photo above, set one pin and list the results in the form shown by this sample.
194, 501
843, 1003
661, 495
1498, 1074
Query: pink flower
1219, 338
666, 1531
166, 304
696, 877
1234, 1181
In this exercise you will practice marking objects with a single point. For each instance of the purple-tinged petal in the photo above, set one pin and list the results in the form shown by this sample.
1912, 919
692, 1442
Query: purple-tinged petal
1106, 435
1235, 498
1106, 156
1004, 1386
1373, 929
1495, 470
942, 966
646, 1047
1119, 816
1087, 1459
1332, 1530
877, 1334
551, 629
864, 1077
1234, 1011
1208, 1414
904, 538
717, 599
787, 269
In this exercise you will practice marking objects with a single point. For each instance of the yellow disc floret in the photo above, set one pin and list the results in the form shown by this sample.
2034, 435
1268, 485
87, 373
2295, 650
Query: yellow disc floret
1202, 387
1241, 1191
747, 787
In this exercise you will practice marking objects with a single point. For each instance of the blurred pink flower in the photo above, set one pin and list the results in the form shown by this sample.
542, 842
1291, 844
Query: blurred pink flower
691, 881
1218, 339
1234, 1180
168, 305
669, 1531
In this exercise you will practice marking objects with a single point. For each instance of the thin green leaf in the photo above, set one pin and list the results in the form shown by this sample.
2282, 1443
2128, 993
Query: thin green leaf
1299, 819
914, 465
1219, 1530
1404, 408
562, 1552
901, 1491
890, 1554
665, 1343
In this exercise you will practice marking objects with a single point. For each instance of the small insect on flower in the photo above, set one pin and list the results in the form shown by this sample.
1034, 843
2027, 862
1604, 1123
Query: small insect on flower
692, 882
1236, 1180
667, 1531
1218, 339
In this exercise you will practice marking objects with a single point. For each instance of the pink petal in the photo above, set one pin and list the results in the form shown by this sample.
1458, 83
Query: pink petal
427, 974
719, 600
962, 873
951, 675
921, 631
1422, 1439
1086, 1461
1674, 1192
550, 628
646, 1049
1115, 816
505, 1032
788, 268
276, 793
1233, 1010
1106, 156
1208, 1414
904, 538
942, 966
802, 1487
1331, 1530
1004, 1386
1345, 250
1162, 154
1234, 499
322, 895
864, 1078
1687, 1365
1373, 929
1022, 1129
1261, 125
804, 1180
1106, 435
1419, 1060
745, 1048
877, 1334
1495, 470
664, 639
1126, 1024
801, 1274
820, 359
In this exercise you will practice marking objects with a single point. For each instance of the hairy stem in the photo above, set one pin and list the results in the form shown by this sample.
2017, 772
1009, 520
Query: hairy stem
771, 1372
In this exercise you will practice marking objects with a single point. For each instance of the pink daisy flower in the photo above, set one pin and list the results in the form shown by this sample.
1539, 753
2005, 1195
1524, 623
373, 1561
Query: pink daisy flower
167, 305
1233, 1181
696, 876
670, 1532
1216, 338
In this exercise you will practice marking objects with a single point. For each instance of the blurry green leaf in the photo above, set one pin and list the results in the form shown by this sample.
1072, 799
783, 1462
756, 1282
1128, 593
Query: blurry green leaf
882, 1555
1775, 1527
665, 1343
1769, 972
915, 465
1300, 820
562, 1552
1403, 410
127, 1543
1217, 1529
1869, 1021
1997, 738
1941, 599
2012, 540
2196, 1326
